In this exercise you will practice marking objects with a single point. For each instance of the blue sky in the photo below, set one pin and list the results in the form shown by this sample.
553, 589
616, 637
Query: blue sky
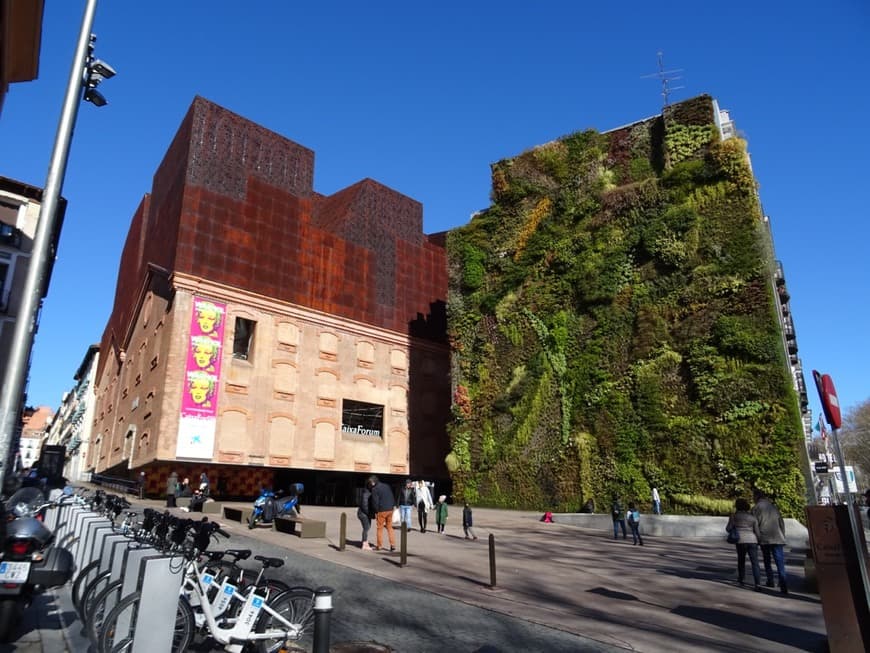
424, 96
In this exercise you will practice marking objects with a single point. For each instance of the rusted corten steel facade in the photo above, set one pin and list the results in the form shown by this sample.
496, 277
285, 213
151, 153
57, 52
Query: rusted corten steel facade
345, 293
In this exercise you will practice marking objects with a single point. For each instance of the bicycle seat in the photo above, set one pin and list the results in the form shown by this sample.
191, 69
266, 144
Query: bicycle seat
270, 562
239, 554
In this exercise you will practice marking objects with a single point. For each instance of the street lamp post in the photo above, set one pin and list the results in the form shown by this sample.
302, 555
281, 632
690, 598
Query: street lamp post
85, 74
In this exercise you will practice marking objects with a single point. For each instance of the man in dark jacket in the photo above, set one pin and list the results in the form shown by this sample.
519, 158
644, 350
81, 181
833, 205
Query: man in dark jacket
618, 515
382, 502
407, 499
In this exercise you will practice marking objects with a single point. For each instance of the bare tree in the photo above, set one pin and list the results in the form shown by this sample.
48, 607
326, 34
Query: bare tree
855, 439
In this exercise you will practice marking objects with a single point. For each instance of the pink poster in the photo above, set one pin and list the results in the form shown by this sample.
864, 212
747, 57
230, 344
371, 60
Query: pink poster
201, 378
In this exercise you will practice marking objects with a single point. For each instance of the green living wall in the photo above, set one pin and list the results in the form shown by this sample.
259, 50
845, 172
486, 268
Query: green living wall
614, 327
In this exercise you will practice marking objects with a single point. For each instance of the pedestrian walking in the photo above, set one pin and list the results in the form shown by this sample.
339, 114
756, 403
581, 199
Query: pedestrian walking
772, 529
383, 504
467, 523
441, 513
656, 501
171, 490
364, 513
634, 524
745, 525
407, 498
424, 504
618, 515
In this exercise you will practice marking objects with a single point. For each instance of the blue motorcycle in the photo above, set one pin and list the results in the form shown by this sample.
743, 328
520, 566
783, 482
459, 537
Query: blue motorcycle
269, 505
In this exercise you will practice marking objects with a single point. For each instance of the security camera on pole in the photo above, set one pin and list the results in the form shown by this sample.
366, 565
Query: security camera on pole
85, 74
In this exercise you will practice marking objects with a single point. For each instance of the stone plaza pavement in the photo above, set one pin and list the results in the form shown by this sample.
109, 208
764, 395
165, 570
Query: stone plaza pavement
673, 594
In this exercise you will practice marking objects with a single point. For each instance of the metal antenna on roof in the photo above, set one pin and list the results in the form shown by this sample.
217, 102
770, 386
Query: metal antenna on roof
666, 77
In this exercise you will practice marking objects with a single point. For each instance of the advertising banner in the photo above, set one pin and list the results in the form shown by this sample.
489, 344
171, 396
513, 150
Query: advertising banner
196, 428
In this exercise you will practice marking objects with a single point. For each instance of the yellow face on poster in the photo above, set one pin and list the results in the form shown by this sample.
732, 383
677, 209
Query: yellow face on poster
207, 317
204, 352
200, 388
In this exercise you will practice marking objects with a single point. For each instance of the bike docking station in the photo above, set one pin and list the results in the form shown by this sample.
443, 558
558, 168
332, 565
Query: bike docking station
149, 622
145, 619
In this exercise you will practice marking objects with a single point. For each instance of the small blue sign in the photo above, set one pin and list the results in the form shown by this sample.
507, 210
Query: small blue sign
3, 566
229, 589
257, 602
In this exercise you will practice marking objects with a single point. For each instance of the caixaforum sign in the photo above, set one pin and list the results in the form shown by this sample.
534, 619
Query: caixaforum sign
362, 418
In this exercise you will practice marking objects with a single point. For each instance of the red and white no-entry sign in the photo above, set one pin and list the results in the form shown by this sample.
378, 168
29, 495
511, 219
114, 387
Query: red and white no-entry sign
828, 397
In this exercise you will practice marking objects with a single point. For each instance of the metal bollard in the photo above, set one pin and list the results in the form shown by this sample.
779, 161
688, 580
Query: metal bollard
322, 617
342, 531
491, 560
403, 544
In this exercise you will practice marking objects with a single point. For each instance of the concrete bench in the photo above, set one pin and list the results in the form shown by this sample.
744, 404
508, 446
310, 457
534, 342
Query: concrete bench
239, 514
300, 526
213, 508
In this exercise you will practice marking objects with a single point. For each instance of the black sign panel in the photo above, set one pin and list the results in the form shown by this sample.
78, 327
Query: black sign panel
361, 418
821, 468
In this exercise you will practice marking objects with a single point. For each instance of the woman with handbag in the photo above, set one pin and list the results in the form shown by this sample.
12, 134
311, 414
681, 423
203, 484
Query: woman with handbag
743, 532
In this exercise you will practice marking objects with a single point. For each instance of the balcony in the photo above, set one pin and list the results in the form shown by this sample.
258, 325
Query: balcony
792, 347
783, 294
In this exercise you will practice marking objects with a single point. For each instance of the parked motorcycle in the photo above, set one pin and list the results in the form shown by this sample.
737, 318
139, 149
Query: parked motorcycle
268, 505
29, 564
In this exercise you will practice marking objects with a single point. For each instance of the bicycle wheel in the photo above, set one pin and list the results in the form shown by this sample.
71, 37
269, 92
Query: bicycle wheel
86, 575
275, 586
112, 641
102, 604
91, 591
294, 617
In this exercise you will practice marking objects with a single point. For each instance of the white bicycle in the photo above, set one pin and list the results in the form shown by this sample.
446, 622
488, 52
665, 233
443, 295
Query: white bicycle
233, 618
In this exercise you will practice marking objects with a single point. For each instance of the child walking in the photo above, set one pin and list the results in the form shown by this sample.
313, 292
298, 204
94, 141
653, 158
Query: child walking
634, 523
467, 523
441, 513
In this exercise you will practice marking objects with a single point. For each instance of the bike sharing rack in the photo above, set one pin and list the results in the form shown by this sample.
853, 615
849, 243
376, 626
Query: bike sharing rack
154, 577
141, 568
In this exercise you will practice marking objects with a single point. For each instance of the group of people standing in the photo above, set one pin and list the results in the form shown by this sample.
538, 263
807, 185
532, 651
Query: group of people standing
761, 525
618, 515
176, 488
377, 503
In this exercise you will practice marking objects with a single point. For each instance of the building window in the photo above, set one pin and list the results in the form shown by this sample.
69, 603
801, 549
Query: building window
362, 419
9, 235
243, 339
4, 291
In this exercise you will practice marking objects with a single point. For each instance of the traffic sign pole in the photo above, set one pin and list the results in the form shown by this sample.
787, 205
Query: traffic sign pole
831, 407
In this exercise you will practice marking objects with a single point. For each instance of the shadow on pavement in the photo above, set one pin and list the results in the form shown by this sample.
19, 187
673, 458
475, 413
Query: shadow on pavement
804, 640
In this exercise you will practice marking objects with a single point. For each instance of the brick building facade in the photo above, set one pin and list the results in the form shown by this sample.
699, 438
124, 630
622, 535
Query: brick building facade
324, 319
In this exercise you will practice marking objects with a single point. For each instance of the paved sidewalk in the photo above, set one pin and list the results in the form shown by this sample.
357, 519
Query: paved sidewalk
42, 628
670, 595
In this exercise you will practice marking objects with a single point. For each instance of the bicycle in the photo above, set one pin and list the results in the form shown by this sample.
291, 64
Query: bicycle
264, 620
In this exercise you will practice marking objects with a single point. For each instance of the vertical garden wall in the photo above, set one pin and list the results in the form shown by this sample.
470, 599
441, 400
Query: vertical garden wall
614, 327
